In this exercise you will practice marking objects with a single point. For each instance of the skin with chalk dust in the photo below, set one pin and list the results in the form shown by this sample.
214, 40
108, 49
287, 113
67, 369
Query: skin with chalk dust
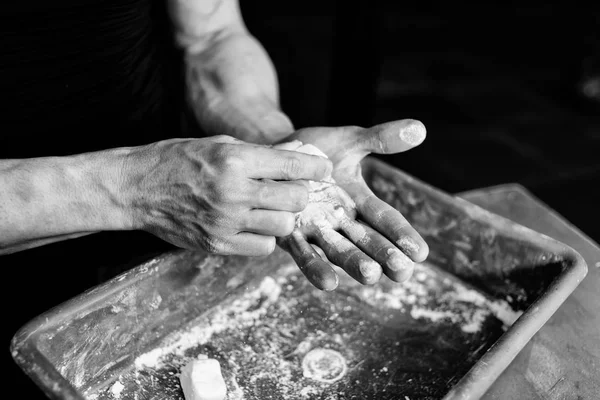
414, 339
329, 206
330, 209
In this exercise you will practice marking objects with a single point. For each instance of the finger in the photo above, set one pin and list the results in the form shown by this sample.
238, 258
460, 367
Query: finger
317, 271
321, 254
279, 196
396, 265
269, 163
268, 222
388, 221
391, 137
250, 244
341, 252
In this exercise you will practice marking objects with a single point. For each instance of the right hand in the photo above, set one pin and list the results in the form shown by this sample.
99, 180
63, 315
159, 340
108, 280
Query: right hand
218, 194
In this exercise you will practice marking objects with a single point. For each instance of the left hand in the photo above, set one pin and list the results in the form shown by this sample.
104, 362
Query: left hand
231, 87
387, 241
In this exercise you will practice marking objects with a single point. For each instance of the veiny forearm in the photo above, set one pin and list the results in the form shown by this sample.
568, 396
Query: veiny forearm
233, 90
232, 85
44, 200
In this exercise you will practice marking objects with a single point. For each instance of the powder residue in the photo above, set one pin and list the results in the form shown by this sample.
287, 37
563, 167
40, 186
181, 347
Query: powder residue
432, 315
329, 208
413, 134
262, 336
408, 244
268, 291
427, 296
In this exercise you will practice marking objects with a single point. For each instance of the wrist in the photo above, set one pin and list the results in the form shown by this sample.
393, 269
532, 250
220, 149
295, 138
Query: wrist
138, 184
97, 181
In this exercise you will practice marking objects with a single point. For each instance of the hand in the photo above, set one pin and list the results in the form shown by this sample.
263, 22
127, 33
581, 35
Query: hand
219, 194
364, 236
232, 89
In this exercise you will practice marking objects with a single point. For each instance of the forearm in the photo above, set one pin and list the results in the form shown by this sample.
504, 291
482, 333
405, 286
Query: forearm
231, 82
43, 200
237, 94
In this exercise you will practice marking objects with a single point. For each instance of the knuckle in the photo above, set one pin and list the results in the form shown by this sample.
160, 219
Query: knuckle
233, 163
399, 229
264, 194
228, 194
223, 139
383, 212
226, 158
372, 139
213, 245
218, 223
292, 168
219, 152
226, 191
380, 142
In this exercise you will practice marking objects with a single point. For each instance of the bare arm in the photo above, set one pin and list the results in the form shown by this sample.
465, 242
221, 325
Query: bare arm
219, 194
230, 80
44, 200
192, 193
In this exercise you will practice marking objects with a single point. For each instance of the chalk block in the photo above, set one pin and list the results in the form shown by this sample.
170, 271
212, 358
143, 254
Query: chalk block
201, 379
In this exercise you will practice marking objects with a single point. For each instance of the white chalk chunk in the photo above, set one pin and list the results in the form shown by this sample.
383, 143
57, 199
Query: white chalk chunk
201, 379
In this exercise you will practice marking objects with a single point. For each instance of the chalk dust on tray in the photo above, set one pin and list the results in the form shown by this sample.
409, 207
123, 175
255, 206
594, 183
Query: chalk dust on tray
416, 338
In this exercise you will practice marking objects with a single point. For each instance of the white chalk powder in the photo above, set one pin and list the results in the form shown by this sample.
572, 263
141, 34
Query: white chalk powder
215, 323
447, 300
116, 389
329, 207
428, 295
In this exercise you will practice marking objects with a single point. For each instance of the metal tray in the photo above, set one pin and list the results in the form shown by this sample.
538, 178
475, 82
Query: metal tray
486, 288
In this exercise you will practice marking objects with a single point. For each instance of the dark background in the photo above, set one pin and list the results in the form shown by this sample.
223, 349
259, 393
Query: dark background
508, 94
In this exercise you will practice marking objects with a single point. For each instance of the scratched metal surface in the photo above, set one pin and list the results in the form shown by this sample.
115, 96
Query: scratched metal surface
388, 350
268, 316
562, 361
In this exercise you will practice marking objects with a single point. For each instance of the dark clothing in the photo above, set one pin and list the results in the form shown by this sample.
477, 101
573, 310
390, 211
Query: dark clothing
86, 75
79, 76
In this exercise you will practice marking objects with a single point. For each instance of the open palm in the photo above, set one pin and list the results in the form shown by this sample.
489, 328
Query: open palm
368, 237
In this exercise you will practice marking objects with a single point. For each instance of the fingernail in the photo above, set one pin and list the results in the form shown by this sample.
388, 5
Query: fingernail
398, 261
408, 245
333, 285
370, 270
413, 133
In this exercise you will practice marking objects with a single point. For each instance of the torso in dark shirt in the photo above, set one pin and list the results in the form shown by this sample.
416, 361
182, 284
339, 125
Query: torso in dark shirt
84, 75
78, 76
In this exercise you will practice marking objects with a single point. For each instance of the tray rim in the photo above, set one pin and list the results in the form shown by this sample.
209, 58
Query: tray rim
471, 386
496, 359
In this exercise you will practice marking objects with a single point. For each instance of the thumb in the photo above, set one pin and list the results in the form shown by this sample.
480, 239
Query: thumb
391, 137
